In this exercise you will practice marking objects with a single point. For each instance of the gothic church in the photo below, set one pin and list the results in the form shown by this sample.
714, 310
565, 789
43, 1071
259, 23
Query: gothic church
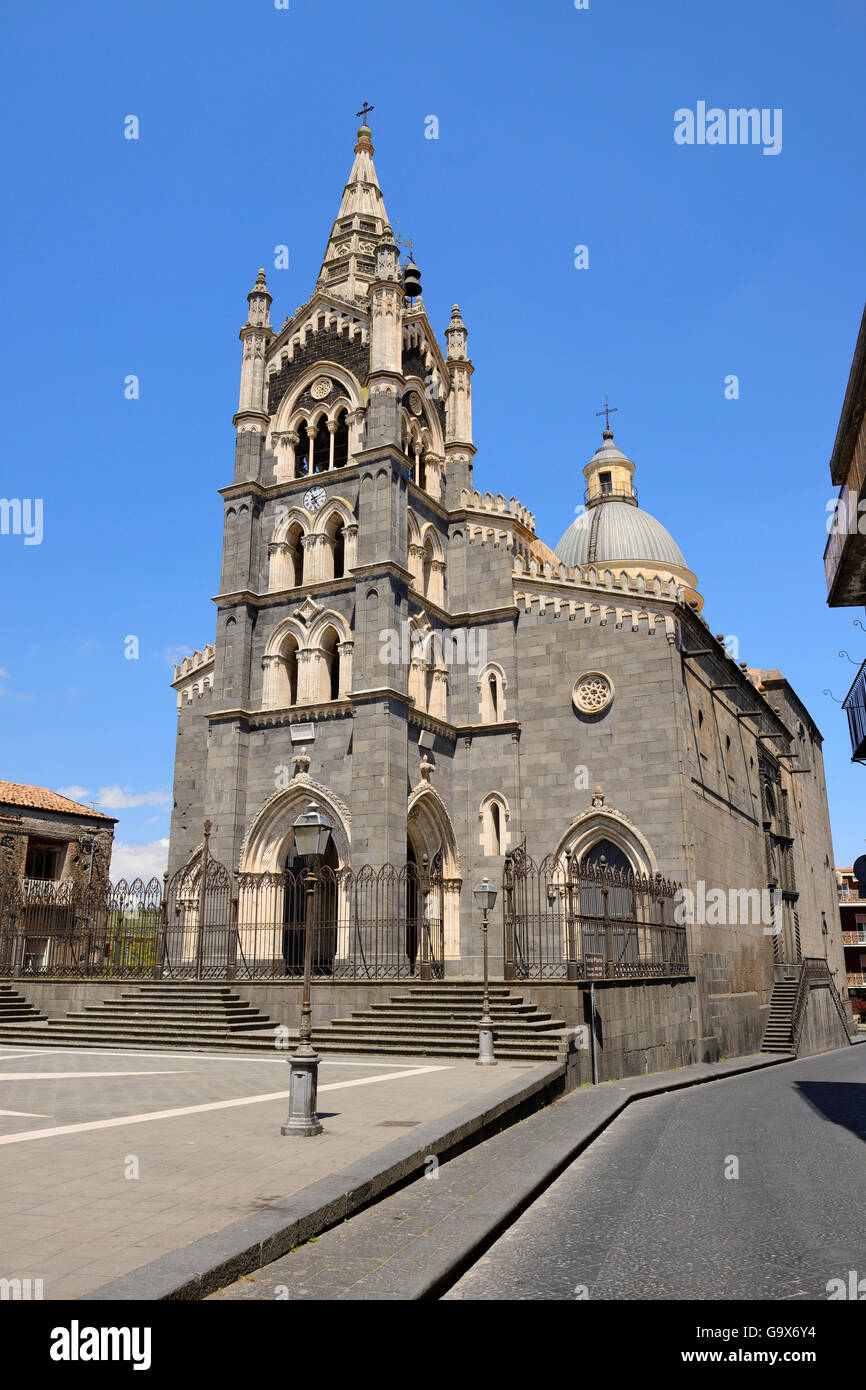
407, 654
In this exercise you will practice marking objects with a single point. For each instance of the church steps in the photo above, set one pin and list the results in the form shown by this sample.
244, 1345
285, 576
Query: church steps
438, 1019
449, 1025
14, 1008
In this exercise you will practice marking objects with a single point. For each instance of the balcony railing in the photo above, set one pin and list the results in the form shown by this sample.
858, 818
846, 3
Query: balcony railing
856, 979
853, 938
621, 491
843, 553
854, 706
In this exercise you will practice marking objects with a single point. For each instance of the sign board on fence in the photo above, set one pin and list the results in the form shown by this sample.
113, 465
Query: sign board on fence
594, 963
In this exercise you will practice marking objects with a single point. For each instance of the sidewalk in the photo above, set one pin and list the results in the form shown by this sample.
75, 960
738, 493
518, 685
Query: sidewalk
121, 1165
418, 1241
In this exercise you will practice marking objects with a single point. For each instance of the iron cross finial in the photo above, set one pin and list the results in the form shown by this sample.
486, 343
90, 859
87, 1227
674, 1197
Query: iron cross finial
363, 112
607, 412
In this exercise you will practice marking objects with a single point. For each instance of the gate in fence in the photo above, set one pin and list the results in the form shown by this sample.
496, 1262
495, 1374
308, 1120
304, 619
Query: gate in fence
560, 911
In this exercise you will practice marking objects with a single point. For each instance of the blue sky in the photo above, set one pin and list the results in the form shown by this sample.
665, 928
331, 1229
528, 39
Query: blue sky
555, 130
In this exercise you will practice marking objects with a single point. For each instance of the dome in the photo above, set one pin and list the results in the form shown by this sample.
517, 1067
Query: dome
618, 532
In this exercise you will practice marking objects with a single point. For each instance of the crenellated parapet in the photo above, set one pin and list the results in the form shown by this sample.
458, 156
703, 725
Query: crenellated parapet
600, 577
193, 677
598, 614
474, 501
193, 663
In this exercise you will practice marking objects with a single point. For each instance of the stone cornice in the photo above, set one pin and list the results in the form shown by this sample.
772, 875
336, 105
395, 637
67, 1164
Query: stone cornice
382, 567
465, 619
419, 719
504, 726
277, 596
291, 714
269, 491
381, 692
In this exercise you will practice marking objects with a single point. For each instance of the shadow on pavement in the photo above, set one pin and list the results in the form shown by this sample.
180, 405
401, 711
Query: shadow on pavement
842, 1102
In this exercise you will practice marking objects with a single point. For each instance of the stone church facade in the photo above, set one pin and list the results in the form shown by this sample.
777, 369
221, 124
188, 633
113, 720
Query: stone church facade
407, 654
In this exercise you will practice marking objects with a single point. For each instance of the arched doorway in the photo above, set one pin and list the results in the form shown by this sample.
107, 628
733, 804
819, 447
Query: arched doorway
607, 902
429, 831
324, 925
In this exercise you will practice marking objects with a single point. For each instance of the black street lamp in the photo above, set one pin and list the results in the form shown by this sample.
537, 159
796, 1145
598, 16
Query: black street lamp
485, 897
312, 832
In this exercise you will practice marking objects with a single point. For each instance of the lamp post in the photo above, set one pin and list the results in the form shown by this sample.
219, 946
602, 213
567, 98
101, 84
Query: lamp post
312, 832
485, 897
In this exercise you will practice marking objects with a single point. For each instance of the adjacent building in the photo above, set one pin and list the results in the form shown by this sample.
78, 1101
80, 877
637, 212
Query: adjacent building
845, 552
852, 909
47, 840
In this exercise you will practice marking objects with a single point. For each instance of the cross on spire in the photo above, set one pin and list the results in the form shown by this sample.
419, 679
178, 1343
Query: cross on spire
363, 112
607, 412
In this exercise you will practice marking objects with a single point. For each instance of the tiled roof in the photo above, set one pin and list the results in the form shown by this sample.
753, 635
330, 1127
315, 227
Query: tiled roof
41, 799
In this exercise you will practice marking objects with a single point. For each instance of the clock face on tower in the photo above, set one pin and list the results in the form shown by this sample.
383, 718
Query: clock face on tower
314, 498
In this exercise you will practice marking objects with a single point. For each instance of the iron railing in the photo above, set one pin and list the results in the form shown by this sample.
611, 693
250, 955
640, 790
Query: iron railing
854, 705
374, 924
559, 912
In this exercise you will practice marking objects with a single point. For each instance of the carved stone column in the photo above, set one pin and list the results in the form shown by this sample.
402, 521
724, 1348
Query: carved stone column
345, 650
280, 568
418, 683
439, 694
434, 465
318, 557
350, 543
416, 565
271, 665
436, 591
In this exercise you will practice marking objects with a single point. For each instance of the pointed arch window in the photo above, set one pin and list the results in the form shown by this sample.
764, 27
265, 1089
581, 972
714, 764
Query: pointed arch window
294, 540
281, 675
491, 692
341, 440
336, 530
329, 666
493, 814
303, 451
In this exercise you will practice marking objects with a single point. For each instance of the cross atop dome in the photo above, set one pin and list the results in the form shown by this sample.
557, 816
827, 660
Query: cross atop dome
607, 412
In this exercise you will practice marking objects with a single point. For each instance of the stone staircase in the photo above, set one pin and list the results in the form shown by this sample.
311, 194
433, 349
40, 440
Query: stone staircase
441, 1020
428, 1020
152, 1015
14, 1008
779, 1031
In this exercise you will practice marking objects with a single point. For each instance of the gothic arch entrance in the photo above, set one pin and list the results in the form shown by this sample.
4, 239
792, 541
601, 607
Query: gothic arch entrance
271, 893
324, 946
429, 831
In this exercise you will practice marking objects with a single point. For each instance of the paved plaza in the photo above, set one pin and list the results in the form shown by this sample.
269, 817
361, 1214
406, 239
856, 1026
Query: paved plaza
111, 1159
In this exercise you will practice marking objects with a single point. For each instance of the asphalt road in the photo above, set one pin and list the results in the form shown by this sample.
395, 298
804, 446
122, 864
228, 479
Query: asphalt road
649, 1213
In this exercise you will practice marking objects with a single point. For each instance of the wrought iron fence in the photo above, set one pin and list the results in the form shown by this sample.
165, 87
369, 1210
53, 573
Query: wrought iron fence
375, 924
558, 912
50, 928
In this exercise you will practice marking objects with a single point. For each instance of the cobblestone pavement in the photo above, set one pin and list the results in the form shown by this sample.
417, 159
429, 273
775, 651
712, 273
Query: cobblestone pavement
109, 1160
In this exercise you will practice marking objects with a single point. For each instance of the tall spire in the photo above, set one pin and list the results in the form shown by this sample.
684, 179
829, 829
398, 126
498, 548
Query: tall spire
349, 265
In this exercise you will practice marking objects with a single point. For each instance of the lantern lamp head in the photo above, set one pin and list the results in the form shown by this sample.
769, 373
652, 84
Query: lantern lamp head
485, 895
312, 832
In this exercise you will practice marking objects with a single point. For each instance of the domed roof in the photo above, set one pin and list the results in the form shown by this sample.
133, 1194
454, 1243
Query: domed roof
617, 531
